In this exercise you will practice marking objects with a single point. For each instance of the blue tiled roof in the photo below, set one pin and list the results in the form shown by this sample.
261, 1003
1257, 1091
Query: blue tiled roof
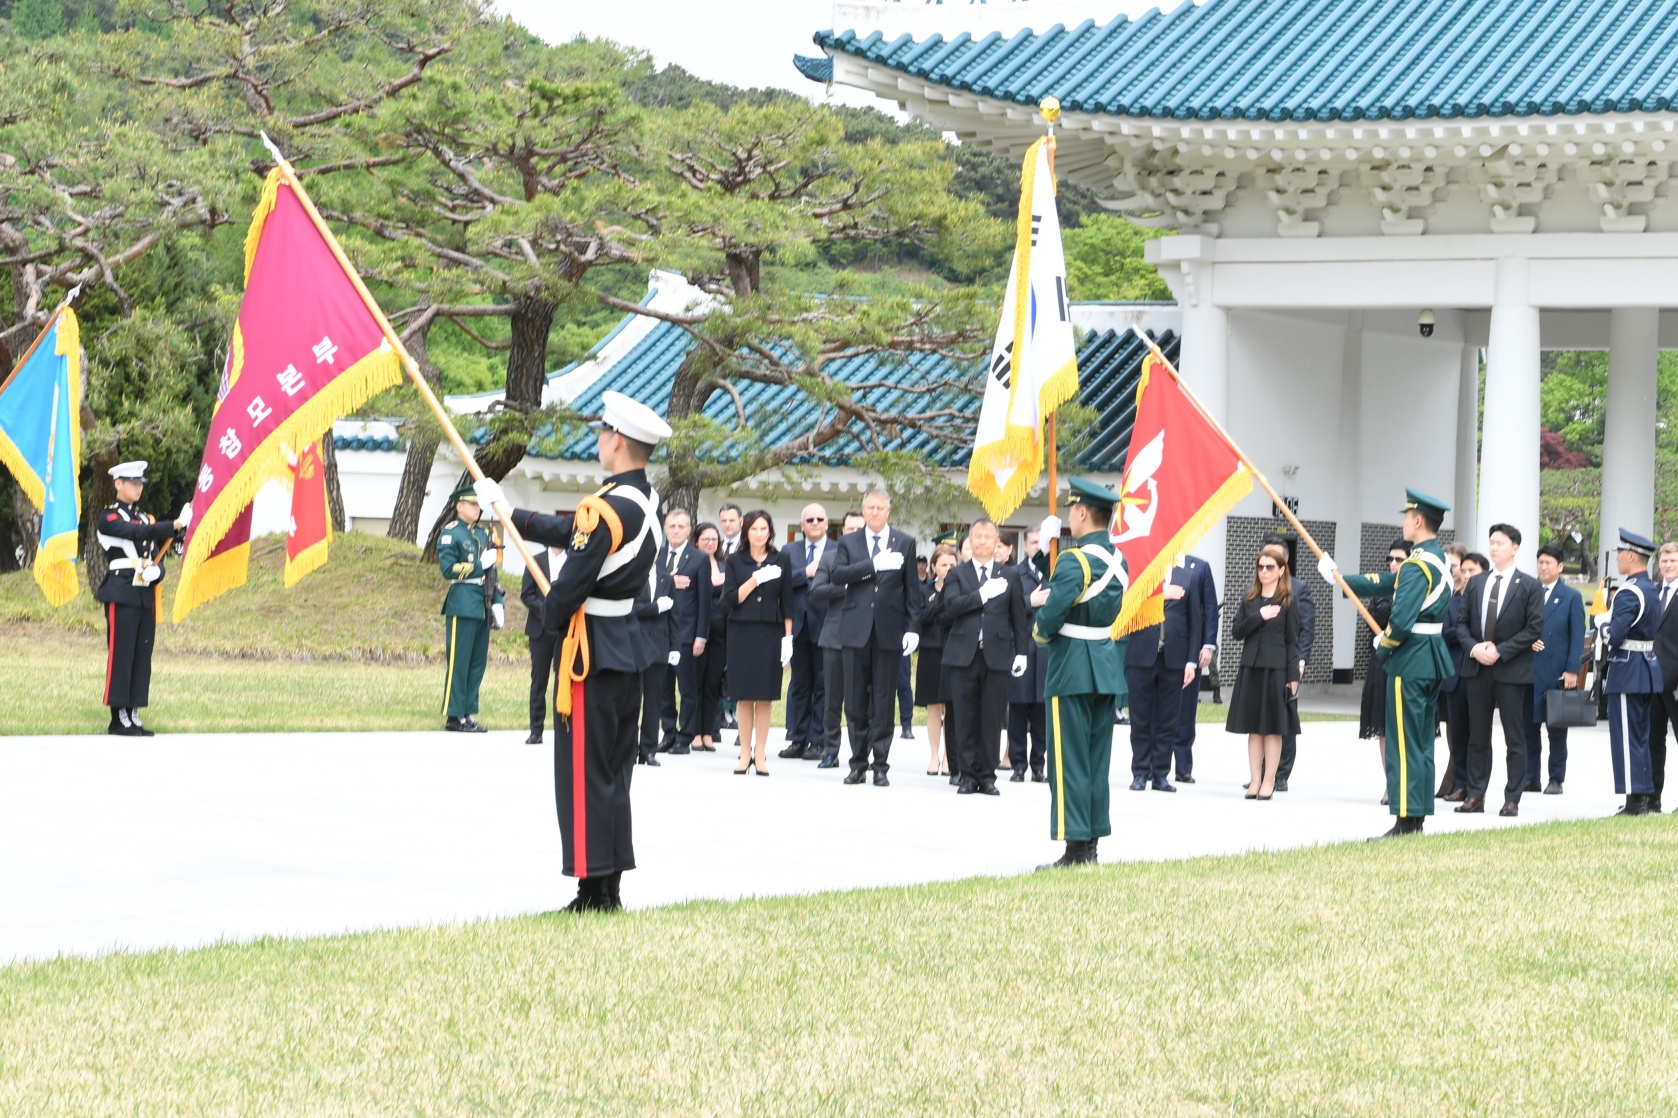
1318, 60
819, 69
367, 442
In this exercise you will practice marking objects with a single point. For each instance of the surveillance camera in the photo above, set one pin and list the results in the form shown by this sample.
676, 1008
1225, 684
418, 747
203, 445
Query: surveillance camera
1424, 323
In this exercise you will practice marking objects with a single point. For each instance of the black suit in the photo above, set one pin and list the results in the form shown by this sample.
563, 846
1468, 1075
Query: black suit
656, 639
1027, 706
544, 643
823, 590
1453, 700
879, 607
808, 690
1306, 607
691, 620
1155, 660
1664, 710
979, 651
1503, 685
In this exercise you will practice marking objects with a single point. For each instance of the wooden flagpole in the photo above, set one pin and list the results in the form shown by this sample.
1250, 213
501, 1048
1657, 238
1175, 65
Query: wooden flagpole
1339, 579
408, 362
1050, 108
45, 326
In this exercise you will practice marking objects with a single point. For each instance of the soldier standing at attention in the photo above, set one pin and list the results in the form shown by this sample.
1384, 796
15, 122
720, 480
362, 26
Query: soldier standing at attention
1085, 674
611, 542
466, 555
1413, 651
134, 545
1633, 676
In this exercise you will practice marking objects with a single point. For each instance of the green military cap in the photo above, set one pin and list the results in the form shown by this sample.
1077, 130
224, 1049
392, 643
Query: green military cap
945, 537
1087, 492
464, 493
1416, 499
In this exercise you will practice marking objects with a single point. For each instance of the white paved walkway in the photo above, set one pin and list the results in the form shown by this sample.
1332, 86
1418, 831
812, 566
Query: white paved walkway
181, 841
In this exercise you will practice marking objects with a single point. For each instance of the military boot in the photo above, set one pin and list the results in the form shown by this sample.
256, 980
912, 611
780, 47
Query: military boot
1073, 856
1089, 851
588, 896
611, 900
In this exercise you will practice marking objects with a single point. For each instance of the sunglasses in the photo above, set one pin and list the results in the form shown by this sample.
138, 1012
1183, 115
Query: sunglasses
1268, 567
1395, 558
815, 520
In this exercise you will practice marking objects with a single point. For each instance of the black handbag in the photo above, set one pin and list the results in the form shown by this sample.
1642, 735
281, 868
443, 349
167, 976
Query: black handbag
1564, 709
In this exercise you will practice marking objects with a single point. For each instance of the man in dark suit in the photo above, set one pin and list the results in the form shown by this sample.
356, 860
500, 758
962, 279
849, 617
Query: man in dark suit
690, 618
1663, 712
1453, 697
544, 643
1502, 618
879, 624
1555, 664
1307, 610
656, 653
808, 688
1195, 575
985, 607
823, 590
1027, 705
1160, 662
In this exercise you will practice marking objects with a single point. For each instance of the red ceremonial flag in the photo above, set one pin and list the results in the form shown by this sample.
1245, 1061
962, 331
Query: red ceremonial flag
1180, 478
306, 350
311, 523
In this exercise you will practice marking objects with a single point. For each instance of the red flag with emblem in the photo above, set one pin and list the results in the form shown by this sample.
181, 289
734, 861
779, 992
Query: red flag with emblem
311, 523
1180, 478
306, 350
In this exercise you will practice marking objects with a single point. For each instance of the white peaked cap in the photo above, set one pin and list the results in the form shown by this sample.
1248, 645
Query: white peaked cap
631, 418
130, 471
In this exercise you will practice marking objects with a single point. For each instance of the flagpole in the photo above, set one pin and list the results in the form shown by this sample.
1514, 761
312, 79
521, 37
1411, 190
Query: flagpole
45, 326
1340, 579
408, 362
1050, 108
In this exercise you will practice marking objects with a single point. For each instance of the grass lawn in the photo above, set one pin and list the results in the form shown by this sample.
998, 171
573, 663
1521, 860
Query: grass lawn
1526, 971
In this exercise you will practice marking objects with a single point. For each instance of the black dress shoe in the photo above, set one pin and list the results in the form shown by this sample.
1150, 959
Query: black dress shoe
1018, 777
1140, 784
651, 759
1474, 806
470, 725
967, 788
1510, 809
908, 734
535, 738
1532, 786
880, 780
955, 779
989, 788
1181, 779
813, 752
664, 746
680, 749
829, 761
1163, 785
456, 726
1037, 777
1553, 788
1455, 796
1281, 785
1636, 804
856, 776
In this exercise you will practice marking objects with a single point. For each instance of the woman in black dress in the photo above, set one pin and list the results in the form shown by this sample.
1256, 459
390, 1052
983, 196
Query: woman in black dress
711, 663
929, 659
758, 596
1372, 713
1264, 703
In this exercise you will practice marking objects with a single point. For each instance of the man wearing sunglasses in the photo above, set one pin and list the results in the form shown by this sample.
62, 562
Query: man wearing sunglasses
807, 692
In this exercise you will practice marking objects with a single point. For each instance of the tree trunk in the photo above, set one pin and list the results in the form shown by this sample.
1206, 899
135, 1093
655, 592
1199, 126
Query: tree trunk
334, 495
743, 272
429, 555
98, 492
422, 448
681, 494
527, 359
28, 531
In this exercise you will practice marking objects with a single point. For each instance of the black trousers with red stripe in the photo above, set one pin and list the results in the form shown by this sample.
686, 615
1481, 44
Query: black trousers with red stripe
129, 632
594, 757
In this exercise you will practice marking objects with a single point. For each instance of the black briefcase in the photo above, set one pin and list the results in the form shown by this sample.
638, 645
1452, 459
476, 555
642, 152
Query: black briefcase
1563, 709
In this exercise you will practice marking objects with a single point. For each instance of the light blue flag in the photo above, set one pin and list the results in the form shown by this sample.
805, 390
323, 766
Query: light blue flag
41, 443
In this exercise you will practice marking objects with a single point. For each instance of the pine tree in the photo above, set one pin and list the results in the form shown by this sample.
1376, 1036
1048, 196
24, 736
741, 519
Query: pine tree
38, 19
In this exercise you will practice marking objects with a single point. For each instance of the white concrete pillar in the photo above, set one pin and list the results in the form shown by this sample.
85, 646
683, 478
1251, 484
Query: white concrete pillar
1205, 366
1348, 490
1468, 449
1509, 444
1628, 443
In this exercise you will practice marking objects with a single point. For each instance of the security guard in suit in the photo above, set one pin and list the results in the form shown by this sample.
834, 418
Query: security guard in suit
466, 553
611, 543
1633, 676
1413, 650
135, 545
1084, 674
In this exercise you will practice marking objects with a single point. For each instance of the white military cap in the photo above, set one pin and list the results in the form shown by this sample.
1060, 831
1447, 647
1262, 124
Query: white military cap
631, 418
129, 471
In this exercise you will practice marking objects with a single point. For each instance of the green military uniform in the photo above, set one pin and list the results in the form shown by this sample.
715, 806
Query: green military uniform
1083, 679
460, 550
1413, 651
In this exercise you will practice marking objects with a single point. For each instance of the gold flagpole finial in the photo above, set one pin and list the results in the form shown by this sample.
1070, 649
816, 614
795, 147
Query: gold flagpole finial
1049, 107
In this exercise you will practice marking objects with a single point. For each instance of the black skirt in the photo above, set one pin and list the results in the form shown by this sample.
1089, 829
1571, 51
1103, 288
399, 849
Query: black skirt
1372, 714
929, 678
754, 661
1259, 703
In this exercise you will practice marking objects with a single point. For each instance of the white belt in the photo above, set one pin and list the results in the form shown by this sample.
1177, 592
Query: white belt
479, 581
1085, 632
1428, 628
126, 565
1637, 646
608, 607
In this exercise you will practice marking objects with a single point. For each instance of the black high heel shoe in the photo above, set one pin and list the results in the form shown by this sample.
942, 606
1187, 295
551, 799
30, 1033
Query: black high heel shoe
746, 768
1250, 794
1266, 796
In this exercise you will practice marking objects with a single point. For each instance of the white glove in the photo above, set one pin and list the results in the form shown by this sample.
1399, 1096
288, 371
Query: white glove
993, 588
1049, 530
1326, 566
500, 612
1019, 667
1601, 620
487, 559
675, 659
786, 651
888, 560
766, 575
152, 573
665, 604
911, 641
488, 492
185, 519
1377, 645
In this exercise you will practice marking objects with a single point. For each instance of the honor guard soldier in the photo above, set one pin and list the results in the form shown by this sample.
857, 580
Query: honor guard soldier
1084, 675
135, 545
611, 542
467, 556
1413, 650
1633, 676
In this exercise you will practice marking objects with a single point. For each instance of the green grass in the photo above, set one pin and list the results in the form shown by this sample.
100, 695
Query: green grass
1526, 971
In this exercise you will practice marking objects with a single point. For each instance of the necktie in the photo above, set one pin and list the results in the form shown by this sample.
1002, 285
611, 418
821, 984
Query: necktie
809, 552
984, 573
1666, 592
670, 567
1491, 607
876, 550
